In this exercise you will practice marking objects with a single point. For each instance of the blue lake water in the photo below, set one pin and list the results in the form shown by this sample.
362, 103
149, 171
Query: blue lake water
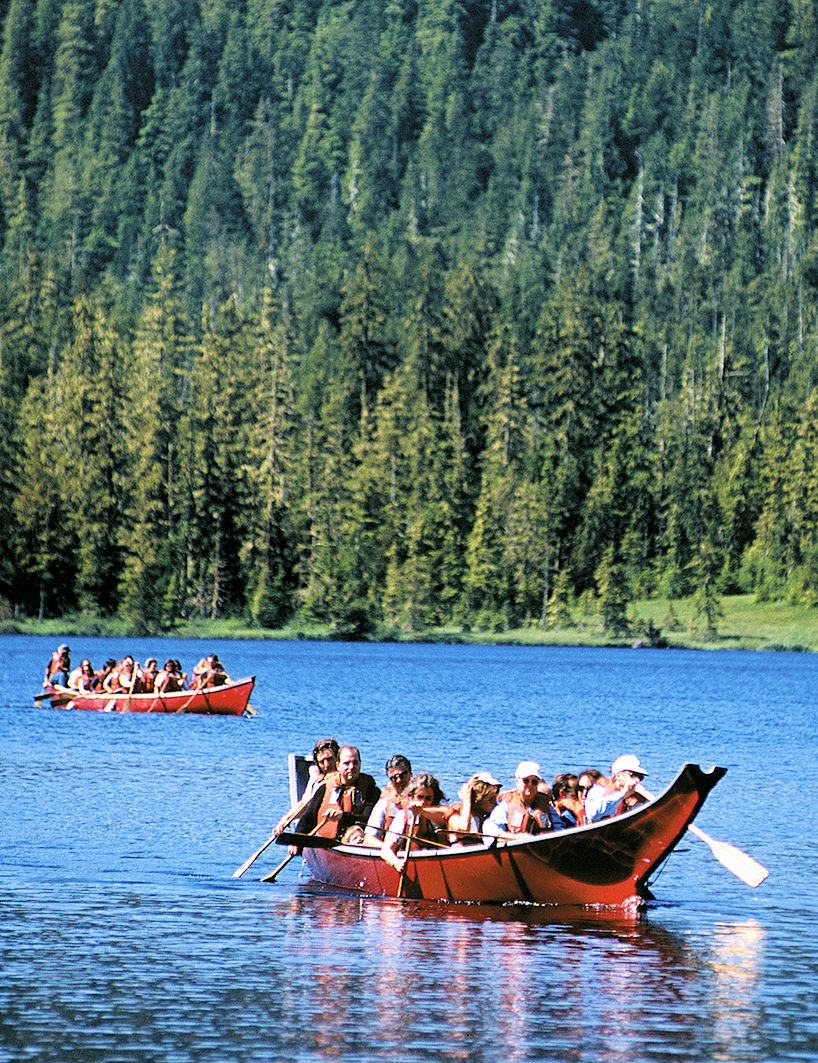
123, 935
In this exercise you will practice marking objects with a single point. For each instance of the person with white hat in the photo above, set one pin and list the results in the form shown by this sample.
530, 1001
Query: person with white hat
605, 798
523, 810
477, 799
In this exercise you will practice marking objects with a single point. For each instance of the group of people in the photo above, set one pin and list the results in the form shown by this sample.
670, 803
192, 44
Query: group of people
340, 801
129, 676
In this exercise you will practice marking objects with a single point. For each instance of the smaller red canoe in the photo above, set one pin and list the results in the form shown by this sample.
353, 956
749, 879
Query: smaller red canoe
228, 700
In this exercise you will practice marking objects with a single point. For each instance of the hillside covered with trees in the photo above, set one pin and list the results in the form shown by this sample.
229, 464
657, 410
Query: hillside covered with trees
406, 311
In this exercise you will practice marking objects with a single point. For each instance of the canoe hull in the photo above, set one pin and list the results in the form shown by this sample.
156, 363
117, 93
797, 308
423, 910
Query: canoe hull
603, 864
228, 700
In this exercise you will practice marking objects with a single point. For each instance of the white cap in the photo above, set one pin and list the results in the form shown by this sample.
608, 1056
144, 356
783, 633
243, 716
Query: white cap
527, 768
628, 762
487, 777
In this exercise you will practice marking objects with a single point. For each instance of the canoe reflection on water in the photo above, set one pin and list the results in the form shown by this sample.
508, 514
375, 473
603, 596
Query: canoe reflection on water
508, 982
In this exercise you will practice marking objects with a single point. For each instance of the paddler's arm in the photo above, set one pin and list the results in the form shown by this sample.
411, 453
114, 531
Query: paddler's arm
394, 837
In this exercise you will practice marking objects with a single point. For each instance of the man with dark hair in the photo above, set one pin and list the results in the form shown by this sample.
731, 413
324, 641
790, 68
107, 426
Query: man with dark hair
398, 772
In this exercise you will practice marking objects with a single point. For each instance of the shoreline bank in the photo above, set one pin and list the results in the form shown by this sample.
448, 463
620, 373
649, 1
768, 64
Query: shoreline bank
655, 624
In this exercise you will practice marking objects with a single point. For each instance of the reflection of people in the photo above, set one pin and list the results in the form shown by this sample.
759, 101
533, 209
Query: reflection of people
341, 806
324, 763
607, 794
477, 799
399, 774
522, 810
58, 668
410, 828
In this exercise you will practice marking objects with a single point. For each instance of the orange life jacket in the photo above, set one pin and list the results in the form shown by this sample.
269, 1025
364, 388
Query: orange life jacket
522, 819
349, 797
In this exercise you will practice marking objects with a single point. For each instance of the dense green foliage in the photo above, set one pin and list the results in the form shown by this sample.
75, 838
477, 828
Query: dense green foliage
407, 311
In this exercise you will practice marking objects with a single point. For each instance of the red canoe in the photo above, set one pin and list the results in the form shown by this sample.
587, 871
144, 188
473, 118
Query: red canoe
608, 863
228, 700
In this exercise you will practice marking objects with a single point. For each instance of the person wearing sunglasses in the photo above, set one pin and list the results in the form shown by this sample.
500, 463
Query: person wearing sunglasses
398, 772
412, 828
610, 796
523, 810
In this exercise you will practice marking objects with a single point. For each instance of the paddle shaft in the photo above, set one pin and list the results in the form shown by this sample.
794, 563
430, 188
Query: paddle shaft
283, 864
274, 874
411, 838
251, 860
736, 861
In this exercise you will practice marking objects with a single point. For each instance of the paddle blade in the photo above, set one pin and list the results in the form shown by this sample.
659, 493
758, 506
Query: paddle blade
736, 861
742, 865
274, 874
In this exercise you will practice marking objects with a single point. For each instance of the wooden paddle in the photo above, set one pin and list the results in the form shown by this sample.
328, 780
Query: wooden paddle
402, 879
736, 861
273, 874
284, 839
252, 859
742, 865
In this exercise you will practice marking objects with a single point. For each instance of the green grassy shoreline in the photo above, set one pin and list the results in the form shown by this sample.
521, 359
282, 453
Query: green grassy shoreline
745, 625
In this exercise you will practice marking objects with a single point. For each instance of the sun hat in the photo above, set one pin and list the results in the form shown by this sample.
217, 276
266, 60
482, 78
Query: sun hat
487, 777
527, 768
628, 762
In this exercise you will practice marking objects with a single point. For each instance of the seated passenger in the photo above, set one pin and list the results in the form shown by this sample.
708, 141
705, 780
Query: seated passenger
209, 672
82, 678
523, 810
411, 828
398, 772
169, 678
342, 805
324, 763
586, 780
477, 800
607, 794
567, 802
121, 679
103, 673
58, 669
147, 678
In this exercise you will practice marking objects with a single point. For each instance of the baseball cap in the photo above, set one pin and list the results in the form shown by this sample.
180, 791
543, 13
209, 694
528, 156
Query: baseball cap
527, 768
628, 762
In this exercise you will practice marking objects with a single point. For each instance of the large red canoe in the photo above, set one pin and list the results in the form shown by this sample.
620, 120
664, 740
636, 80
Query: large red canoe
608, 863
228, 700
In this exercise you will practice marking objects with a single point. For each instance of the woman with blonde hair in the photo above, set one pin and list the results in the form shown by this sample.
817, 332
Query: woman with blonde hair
477, 799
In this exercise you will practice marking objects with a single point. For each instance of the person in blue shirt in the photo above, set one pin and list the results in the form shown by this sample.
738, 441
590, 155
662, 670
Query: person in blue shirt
607, 795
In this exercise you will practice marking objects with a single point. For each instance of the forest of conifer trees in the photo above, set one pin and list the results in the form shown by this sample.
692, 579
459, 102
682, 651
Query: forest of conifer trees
406, 312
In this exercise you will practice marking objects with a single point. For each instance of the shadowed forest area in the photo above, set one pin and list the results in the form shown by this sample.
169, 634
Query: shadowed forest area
397, 314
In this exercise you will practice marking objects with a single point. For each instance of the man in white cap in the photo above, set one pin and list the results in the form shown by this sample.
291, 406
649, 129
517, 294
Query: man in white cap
607, 795
523, 810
